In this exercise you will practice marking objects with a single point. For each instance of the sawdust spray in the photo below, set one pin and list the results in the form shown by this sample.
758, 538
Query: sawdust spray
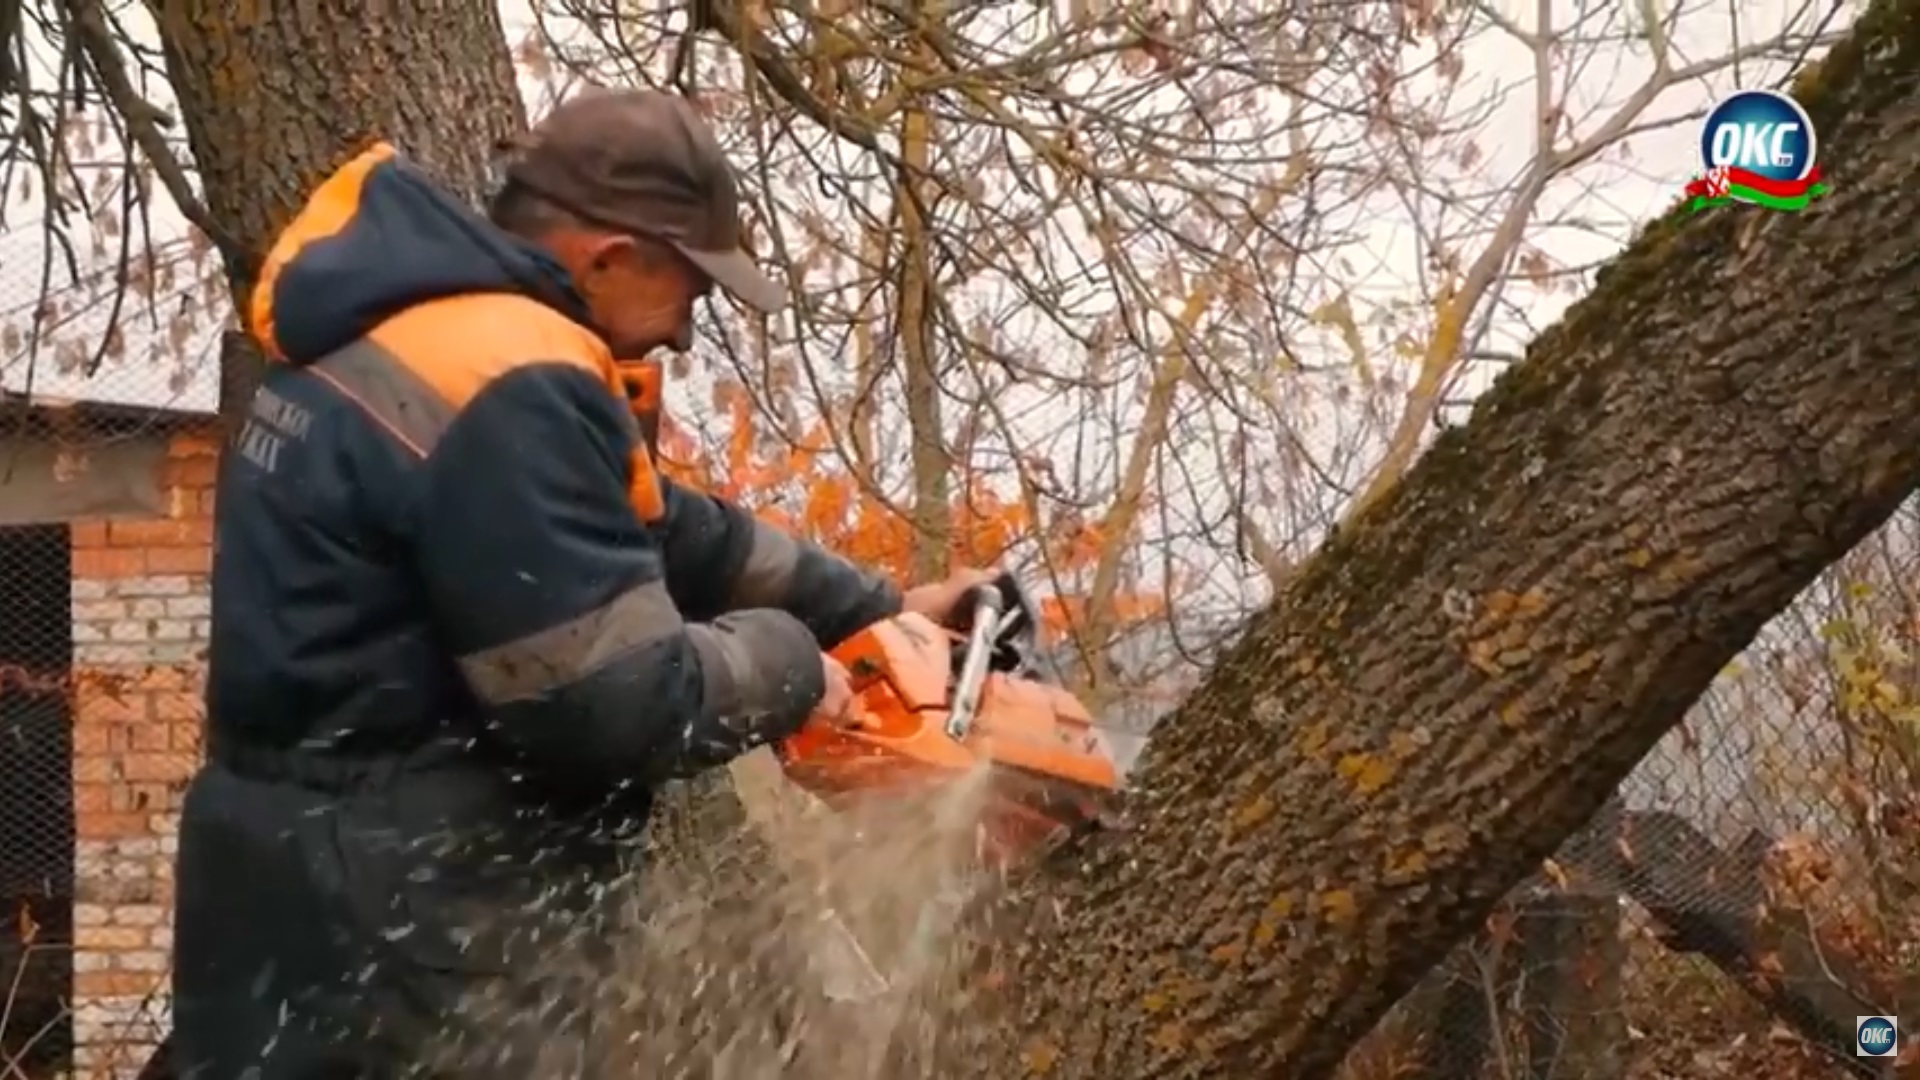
785, 942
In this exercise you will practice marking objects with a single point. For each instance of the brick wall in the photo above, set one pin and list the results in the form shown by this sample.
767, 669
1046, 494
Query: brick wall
140, 628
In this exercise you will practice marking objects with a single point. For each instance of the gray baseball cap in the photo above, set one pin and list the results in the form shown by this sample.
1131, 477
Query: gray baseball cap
644, 162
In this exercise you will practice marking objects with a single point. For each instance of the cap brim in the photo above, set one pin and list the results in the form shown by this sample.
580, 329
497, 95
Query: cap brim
735, 272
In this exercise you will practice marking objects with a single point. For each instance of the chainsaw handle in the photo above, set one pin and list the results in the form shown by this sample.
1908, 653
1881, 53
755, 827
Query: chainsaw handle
856, 717
1019, 617
983, 605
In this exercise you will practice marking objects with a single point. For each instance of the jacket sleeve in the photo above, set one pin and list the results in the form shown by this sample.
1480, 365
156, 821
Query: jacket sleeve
721, 558
552, 594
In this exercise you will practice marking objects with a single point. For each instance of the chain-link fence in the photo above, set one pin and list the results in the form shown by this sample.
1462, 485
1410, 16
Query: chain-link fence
1742, 901
106, 392
36, 797
1745, 899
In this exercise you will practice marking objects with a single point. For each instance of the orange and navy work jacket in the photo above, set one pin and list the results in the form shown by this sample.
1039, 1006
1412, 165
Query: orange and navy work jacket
440, 513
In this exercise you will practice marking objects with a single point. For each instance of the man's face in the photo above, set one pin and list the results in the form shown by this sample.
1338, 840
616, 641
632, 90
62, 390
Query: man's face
639, 294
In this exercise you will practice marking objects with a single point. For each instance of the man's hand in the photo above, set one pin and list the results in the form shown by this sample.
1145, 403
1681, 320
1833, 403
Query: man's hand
940, 600
836, 705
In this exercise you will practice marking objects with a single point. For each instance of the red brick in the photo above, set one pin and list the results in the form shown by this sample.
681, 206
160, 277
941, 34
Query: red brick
176, 705
150, 736
111, 826
109, 938
89, 739
95, 984
95, 769
112, 563
88, 534
166, 677
90, 798
149, 797
193, 472
98, 701
151, 532
204, 503
185, 736
197, 444
176, 560
162, 767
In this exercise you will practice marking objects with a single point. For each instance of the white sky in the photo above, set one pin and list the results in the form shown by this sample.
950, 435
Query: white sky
1581, 219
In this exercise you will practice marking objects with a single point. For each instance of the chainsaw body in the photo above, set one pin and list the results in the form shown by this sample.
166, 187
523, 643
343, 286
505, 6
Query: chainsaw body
931, 705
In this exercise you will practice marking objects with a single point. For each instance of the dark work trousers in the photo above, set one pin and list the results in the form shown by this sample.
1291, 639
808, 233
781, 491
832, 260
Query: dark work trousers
361, 933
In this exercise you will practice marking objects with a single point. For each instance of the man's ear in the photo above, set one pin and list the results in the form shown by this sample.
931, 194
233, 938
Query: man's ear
599, 259
605, 251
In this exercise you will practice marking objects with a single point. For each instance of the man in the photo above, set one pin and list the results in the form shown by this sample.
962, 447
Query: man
461, 628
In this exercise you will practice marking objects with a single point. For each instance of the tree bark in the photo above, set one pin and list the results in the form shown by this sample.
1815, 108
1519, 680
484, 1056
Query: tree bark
276, 96
1463, 675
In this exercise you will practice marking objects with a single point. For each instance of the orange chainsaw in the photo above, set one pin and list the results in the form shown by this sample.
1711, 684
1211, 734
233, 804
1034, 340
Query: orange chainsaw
931, 705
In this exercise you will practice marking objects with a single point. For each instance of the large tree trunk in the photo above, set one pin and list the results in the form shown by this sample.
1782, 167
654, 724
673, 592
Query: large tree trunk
1459, 680
276, 96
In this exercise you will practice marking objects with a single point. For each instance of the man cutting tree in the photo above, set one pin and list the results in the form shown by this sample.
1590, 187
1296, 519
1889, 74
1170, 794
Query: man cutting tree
461, 628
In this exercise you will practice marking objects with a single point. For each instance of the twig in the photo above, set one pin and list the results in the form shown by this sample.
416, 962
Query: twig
144, 121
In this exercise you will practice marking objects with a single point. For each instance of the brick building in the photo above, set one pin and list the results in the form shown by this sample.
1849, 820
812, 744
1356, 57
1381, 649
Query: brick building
105, 541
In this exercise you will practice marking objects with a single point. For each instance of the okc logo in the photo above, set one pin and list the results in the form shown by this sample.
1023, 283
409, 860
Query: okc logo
1878, 1036
1757, 147
1762, 132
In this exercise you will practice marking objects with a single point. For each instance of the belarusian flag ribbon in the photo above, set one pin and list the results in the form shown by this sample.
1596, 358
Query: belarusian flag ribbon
1729, 184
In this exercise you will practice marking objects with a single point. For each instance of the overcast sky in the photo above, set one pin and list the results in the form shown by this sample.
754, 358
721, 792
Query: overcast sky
1602, 200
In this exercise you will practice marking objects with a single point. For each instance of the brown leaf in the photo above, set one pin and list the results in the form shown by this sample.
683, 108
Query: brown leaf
1500, 928
1158, 52
1555, 874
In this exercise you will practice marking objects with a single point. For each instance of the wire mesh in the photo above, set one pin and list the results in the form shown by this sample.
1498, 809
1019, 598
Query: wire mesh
1753, 877
1746, 896
36, 799
103, 552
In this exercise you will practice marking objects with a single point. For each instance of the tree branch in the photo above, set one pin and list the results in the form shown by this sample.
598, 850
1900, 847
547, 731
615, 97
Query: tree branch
87, 23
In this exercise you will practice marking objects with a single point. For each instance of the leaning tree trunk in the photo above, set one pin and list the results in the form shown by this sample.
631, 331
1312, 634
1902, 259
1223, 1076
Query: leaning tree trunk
1461, 677
276, 96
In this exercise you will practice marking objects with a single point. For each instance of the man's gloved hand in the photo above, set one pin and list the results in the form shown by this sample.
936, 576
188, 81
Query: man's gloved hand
836, 705
940, 600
